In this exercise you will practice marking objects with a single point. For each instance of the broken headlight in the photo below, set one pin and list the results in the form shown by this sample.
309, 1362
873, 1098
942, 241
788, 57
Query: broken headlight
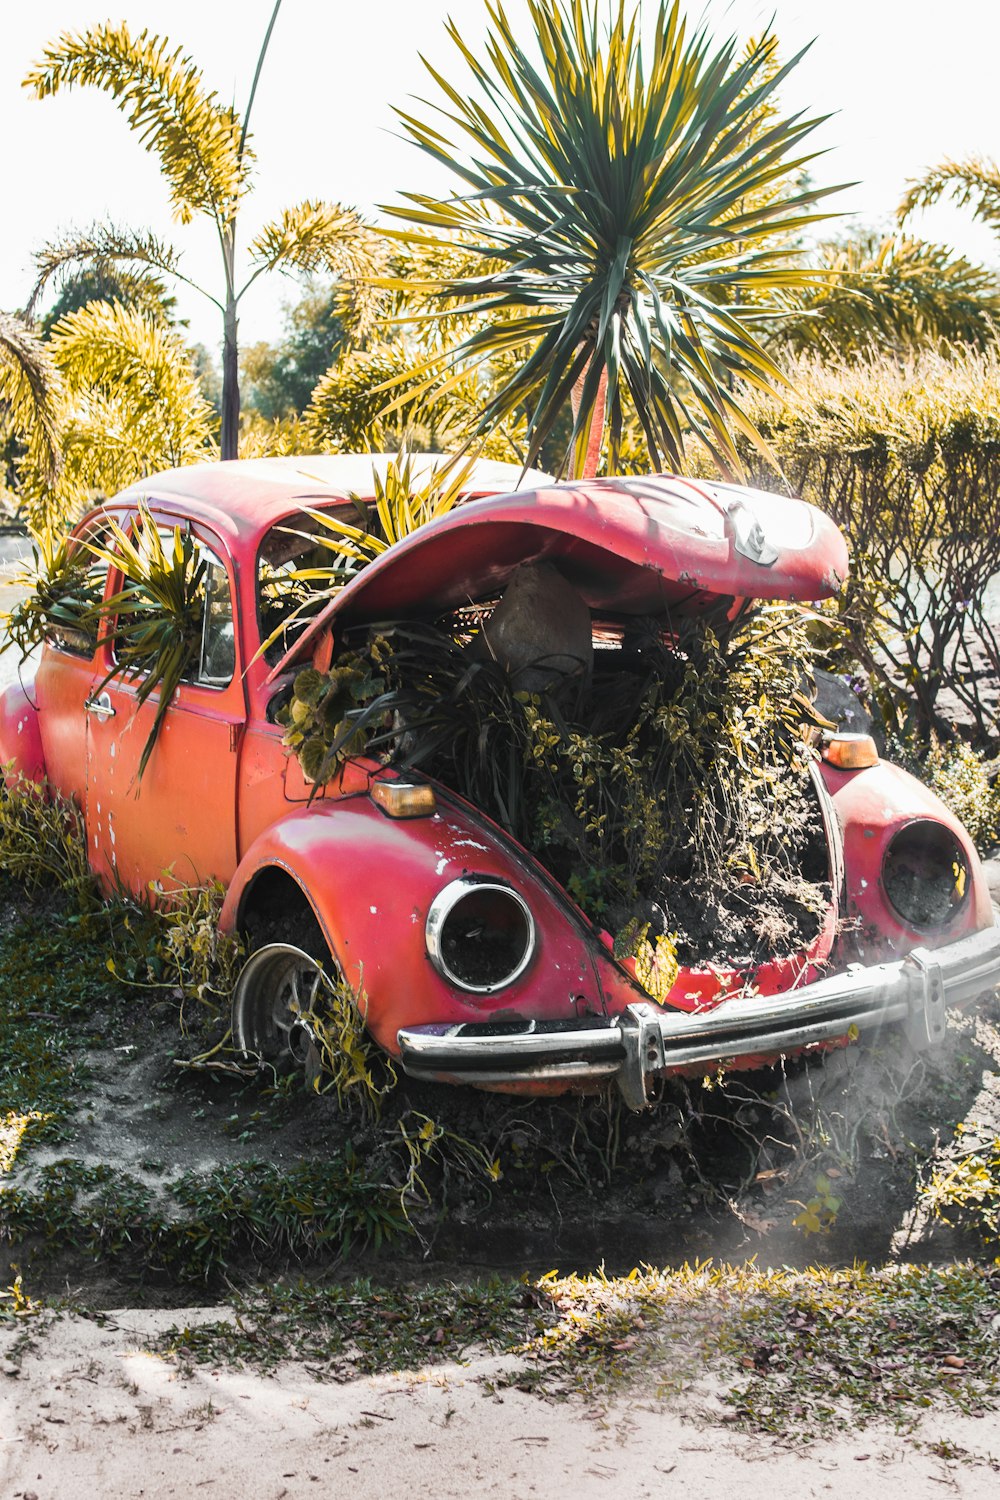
480, 934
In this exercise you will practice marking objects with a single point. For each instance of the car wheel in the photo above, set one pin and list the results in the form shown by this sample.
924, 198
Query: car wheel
281, 987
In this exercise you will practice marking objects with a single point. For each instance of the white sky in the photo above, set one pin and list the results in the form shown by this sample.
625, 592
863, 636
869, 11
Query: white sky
909, 82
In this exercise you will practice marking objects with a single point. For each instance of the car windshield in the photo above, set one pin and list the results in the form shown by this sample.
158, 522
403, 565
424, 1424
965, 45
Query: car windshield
296, 571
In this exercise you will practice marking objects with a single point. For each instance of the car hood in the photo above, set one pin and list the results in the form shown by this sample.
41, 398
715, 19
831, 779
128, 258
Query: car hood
656, 545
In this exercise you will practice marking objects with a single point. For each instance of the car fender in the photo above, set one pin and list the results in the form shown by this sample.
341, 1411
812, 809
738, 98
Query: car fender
21, 751
370, 880
873, 804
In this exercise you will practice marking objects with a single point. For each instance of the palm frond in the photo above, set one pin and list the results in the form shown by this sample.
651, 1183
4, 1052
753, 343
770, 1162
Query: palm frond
196, 138
154, 621
347, 409
29, 385
316, 236
625, 195
900, 292
130, 403
974, 182
118, 256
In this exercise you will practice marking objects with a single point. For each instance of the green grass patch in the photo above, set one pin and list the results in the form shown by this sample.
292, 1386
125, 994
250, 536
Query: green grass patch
812, 1352
363, 1329
192, 1228
55, 996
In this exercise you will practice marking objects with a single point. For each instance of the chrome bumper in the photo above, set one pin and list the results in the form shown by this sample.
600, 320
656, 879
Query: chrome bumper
644, 1042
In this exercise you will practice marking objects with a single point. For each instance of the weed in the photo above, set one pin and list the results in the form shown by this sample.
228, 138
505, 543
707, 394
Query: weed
349, 1063
966, 1191
42, 841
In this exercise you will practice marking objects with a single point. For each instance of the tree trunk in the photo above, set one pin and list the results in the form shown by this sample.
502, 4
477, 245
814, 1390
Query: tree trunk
595, 436
230, 384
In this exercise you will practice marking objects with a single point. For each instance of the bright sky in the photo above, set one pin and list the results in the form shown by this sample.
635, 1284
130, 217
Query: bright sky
908, 83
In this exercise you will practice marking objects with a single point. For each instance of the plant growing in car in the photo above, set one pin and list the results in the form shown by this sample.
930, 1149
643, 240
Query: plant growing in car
677, 769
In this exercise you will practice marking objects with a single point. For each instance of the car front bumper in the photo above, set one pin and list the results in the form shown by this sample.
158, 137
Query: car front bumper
644, 1042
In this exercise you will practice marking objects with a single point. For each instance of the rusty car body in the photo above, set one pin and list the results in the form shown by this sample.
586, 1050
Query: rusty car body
394, 876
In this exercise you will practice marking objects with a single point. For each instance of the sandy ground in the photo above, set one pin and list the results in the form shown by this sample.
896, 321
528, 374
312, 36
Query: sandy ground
91, 1414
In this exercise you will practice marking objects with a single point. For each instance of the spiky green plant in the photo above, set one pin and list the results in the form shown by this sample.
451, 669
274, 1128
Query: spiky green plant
204, 151
154, 620
407, 497
624, 195
62, 595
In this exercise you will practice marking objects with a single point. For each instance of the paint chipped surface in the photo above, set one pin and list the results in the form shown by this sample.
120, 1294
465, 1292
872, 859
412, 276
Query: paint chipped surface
441, 865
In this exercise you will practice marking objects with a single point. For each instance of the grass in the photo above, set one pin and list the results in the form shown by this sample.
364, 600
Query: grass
56, 995
193, 1229
809, 1352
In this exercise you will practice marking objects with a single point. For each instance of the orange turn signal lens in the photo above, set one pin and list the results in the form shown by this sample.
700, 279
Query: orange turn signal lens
404, 799
850, 752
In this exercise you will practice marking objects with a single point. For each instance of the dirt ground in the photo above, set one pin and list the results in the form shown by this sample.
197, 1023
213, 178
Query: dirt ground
91, 1413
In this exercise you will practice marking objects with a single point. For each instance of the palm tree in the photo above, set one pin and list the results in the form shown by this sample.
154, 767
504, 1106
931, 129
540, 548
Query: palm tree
900, 292
125, 401
206, 158
621, 206
29, 386
973, 183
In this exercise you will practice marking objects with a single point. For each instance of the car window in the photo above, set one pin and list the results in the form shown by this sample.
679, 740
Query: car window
292, 578
69, 629
215, 661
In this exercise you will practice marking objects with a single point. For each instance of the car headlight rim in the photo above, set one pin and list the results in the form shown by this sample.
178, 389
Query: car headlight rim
938, 843
444, 907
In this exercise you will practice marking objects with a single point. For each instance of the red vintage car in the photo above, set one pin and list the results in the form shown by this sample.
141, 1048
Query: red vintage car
395, 881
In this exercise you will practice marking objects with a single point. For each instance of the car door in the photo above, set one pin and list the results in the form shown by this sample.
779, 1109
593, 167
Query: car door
177, 825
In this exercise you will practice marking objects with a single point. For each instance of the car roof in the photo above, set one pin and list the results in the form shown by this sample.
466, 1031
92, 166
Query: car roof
243, 498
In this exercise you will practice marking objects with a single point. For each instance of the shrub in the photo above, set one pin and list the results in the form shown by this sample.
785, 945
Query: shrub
905, 455
42, 841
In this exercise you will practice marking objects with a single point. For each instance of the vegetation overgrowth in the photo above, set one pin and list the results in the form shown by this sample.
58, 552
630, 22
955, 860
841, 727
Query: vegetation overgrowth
665, 771
904, 453
477, 325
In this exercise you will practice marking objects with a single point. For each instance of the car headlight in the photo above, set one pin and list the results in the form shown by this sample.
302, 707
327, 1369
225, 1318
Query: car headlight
925, 874
480, 934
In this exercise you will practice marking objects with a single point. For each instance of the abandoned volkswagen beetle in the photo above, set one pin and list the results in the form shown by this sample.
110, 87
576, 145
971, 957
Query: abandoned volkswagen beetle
474, 963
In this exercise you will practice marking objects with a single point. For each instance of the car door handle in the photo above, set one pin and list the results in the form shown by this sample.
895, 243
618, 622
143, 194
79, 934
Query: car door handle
101, 706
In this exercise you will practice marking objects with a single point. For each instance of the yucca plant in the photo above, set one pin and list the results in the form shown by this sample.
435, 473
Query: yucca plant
205, 154
154, 621
626, 196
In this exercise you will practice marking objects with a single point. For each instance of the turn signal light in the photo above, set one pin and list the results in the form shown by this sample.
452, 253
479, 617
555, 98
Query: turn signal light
404, 799
850, 752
